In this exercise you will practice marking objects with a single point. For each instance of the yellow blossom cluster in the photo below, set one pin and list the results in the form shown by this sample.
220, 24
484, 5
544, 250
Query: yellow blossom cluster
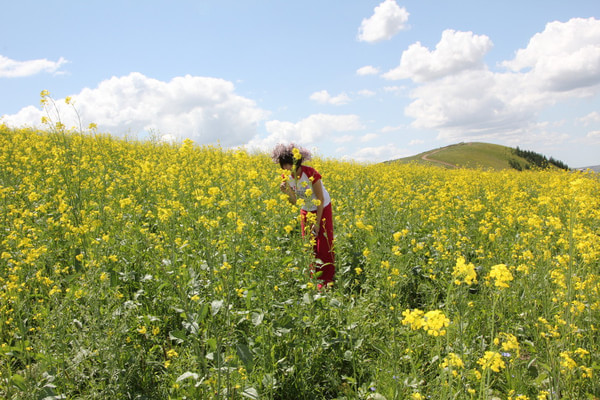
501, 276
433, 322
464, 273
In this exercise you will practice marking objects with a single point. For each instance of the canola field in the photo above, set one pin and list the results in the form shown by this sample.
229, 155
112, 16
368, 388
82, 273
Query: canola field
144, 270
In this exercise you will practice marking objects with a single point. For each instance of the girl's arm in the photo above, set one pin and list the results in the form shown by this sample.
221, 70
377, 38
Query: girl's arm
287, 189
318, 191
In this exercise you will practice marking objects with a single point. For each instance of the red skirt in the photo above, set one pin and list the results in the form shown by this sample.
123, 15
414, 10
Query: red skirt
323, 248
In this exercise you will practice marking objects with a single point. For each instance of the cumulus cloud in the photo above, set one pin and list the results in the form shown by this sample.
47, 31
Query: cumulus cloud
344, 139
378, 153
473, 103
307, 131
366, 93
369, 137
591, 118
387, 129
595, 135
387, 20
455, 52
18, 69
323, 97
564, 57
206, 110
464, 100
367, 70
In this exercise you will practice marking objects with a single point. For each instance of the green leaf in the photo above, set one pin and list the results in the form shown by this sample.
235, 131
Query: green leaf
187, 375
348, 355
244, 353
203, 313
19, 382
257, 318
212, 343
250, 393
177, 336
216, 306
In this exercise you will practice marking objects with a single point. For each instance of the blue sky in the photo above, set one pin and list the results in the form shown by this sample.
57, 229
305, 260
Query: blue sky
362, 80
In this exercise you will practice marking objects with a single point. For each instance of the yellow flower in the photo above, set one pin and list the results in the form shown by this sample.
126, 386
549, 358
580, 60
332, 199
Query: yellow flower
464, 273
413, 318
509, 342
171, 353
581, 352
434, 323
452, 361
501, 275
567, 363
492, 360
142, 330
296, 154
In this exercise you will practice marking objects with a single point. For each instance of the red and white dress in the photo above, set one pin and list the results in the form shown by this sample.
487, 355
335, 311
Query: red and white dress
323, 248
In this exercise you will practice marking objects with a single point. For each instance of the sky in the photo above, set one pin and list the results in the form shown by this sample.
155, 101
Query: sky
349, 79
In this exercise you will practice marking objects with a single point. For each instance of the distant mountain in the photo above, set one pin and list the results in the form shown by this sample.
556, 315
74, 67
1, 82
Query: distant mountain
595, 168
485, 156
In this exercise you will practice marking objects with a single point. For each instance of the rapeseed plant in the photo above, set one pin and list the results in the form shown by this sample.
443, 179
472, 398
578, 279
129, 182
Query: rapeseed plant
163, 270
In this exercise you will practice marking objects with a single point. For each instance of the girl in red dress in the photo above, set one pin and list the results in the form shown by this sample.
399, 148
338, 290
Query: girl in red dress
306, 183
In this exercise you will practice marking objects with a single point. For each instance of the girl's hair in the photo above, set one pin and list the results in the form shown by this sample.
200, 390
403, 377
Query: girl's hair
284, 154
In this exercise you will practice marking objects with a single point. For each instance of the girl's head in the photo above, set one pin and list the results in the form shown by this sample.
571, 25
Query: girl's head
289, 155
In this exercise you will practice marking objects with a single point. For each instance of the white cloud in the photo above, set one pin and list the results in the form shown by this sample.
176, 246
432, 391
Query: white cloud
591, 118
378, 153
455, 52
394, 89
564, 57
369, 137
343, 139
17, 69
366, 93
457, 105
206, 110
387, 20
466, 101
311, 129
323, 97
415, 142
594, 135
387, 129
367, 70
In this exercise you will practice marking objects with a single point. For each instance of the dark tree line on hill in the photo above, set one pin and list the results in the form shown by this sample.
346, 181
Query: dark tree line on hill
538, 160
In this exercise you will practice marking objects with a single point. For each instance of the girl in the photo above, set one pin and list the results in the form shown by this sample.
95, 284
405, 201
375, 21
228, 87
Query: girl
306, 183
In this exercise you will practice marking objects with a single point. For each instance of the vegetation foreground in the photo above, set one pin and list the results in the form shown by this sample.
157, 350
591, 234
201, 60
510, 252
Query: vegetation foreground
143, 270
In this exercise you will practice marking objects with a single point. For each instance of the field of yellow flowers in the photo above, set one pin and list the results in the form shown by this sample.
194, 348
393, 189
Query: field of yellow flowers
144, 270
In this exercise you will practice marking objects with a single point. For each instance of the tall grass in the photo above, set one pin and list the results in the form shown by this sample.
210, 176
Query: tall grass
145, 270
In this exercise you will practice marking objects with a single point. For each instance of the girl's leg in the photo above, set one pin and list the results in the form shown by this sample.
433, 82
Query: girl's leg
324, 247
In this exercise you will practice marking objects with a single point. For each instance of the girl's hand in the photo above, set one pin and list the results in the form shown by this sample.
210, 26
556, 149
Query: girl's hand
315, 229
284, 187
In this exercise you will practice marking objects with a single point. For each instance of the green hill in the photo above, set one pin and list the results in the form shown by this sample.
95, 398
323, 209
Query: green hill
484, 156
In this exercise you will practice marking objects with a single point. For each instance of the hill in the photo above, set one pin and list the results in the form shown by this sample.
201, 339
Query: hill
482, 155
595, 168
